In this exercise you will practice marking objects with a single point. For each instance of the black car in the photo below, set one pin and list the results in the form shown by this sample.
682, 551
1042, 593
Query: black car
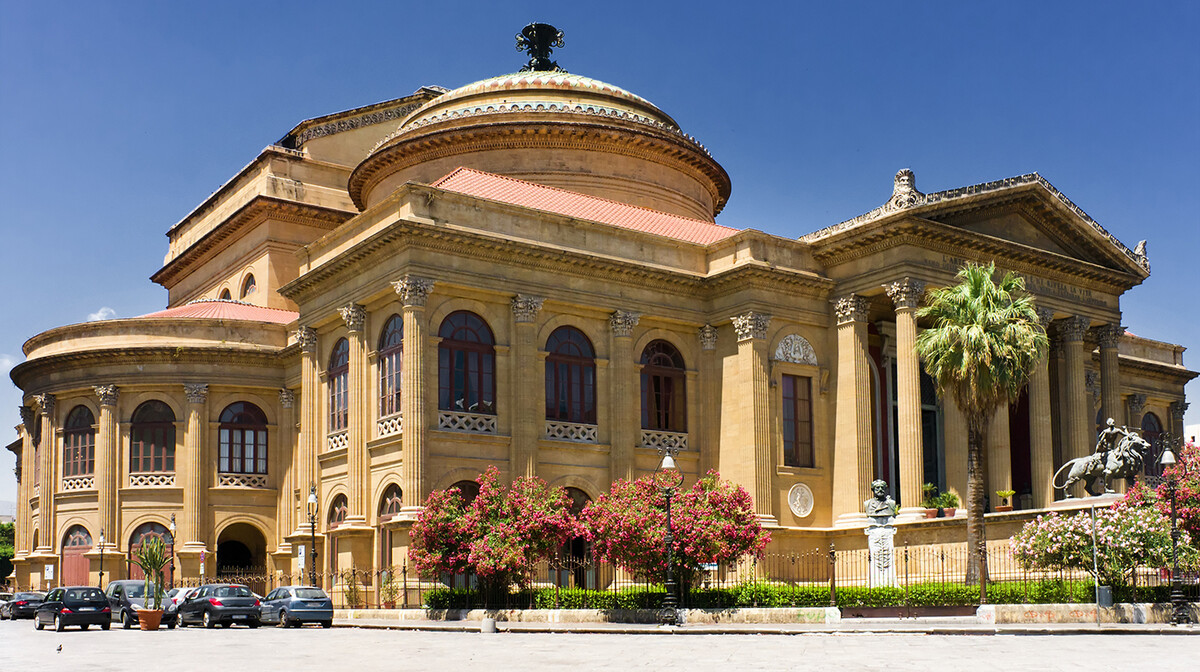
73, 605
21, 605
220, 603
128, 596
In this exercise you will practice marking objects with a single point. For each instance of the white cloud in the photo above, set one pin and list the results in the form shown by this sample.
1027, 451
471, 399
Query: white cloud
105, 313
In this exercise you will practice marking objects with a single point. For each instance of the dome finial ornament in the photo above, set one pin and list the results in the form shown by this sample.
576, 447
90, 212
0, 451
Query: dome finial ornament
538, 40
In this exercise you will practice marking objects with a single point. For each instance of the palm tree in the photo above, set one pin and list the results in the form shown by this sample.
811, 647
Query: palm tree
984, 342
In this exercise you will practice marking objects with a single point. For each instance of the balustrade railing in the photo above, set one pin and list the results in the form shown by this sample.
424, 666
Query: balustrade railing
457, 421
571, 431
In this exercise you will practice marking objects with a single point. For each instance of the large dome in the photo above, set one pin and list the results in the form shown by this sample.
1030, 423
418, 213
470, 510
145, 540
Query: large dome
554, 128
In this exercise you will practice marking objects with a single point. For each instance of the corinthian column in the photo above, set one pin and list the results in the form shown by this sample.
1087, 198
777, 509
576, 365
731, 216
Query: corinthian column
359, 485
1178, 410
413, 292
1041, 440
528, 414
192, 467
710, 403
1109, 336
625, 396
906, 295
310, 420
26, 482
45, 404
285, 460
1079, 418
749, 442
107, 462
853, 464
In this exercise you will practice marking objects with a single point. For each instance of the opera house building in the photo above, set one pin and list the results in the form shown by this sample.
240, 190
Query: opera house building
528, 272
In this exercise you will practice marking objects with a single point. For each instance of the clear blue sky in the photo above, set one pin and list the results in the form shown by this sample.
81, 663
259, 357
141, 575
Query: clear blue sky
117, 118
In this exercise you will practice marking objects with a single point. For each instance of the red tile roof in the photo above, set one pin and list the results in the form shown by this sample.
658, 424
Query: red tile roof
560, 201
223, 309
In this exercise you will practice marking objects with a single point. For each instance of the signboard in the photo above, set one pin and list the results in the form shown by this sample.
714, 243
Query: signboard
708, 566
48, 572
301, 550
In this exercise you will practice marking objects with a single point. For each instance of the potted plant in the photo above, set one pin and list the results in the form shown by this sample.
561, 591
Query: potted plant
929, 494
1004, 495
948, 504
152, 556
389, 589
351, 589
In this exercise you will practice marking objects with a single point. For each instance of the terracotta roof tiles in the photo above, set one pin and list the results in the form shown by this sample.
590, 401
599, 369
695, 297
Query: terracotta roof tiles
224, 309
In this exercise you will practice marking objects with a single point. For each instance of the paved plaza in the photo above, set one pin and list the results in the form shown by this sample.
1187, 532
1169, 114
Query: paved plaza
359, 650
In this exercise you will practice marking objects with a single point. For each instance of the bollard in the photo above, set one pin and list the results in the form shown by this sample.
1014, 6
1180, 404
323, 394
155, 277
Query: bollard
487, 625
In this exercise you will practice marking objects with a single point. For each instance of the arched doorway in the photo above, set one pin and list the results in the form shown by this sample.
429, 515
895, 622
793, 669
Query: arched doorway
143, 533
242, 556
1152, 432
74, 564
576, 568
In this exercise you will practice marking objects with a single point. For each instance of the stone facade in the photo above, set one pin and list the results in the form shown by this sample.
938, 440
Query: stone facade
348, 270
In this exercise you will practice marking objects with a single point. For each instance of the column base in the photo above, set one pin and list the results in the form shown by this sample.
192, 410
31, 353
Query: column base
767, 520
409, 513
908, 514
852, 520
191, 547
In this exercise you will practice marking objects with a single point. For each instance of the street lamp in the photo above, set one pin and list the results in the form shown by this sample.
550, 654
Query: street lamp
668, 477
171, 527
102, 558
1180, 615
312, 528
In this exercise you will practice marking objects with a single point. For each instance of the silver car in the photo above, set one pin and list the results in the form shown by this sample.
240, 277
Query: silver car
292, 606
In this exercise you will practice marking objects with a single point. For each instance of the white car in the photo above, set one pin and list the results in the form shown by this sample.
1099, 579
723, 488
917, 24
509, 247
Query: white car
177, 595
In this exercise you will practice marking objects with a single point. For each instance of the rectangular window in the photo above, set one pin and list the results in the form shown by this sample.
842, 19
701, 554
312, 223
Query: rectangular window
797, 421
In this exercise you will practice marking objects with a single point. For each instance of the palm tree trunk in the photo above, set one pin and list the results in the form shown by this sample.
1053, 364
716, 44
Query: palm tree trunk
976, 478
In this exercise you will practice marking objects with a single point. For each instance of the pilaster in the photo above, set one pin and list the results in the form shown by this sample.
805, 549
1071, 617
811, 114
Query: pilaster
906, 295
853, 463
1109, 337
283, 458
710, 400
753, 437
528, 414
46, 514
355, 317
413, 292
192, 467
625, 395
310, 420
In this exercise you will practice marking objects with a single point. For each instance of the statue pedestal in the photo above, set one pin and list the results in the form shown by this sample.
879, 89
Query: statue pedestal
881, 570
1099, 501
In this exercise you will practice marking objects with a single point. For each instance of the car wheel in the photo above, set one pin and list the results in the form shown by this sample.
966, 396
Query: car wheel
326, 624
283, 620
171, 624
208, 622
58, 624
253, 624
104, 626
84, 626
226, 625
37, 623
179, 621
126, 620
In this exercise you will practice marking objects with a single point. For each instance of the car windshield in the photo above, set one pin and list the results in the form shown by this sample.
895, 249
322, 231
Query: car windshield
137, 589
84, 594
29, 596
310, 593
232, 591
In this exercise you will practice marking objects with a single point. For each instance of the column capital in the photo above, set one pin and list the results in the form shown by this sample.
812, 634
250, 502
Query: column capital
307, 338
1073, 329
1178, 408
906, 293
1136, 401
708, 337
751, 325
355, 317
1109, 335
45, 403
196, 393
413, 290
622, 323
526, 308
287, 398
27, 417
851, 308
107, 394
1045, 316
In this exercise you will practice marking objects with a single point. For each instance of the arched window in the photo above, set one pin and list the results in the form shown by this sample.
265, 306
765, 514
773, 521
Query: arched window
338, 375
664, 388
570, 377
77, 537
469, 490
243, 439
337, 511
152, 439
225, 295
142, 534
466, 365
391, 502
249, 286
79, 443
391, 356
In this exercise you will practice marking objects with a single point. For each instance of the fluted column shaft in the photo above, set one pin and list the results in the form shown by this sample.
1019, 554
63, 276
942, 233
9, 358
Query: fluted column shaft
710, 401
356, 435
107, 461
413, 292
1041, 440
906, 294
999, 455
285, 457
625, 416
193, 465
754, 435
1079, 419
46, 480
956, 435
24, 532
529, 414
1109, 337
853, 463
310, 415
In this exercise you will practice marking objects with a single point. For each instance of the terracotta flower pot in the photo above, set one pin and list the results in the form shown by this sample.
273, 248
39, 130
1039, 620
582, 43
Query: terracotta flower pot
931, 513
1003, 508
950, 511
149, 619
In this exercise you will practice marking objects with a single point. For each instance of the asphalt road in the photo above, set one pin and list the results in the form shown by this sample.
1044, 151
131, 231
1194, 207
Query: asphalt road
359, 650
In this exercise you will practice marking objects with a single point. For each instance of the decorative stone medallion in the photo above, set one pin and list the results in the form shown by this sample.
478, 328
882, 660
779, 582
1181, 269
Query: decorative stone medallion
800, 500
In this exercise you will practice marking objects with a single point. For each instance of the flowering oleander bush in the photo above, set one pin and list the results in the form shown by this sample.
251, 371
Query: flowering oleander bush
499, 536
1187, 494
713, 521
1127, 536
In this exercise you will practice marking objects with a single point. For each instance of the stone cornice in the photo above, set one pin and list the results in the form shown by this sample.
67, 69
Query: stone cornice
254, 212
585, 132
26, 375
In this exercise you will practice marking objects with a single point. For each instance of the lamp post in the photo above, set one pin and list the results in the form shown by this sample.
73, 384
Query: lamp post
668, 477
1180, 614
102, 558
171, 527
312, 529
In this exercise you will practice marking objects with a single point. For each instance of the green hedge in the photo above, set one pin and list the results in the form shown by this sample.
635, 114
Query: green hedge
761, 594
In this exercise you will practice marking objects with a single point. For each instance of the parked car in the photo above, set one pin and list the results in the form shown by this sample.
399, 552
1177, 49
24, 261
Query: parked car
220, 603
127, 596
293, 606
21, 605
73, 605
176, 595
